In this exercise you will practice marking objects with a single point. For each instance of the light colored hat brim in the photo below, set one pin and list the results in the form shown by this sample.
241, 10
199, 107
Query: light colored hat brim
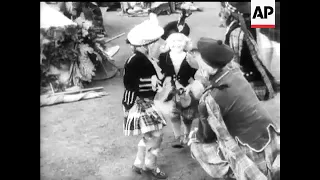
145, 33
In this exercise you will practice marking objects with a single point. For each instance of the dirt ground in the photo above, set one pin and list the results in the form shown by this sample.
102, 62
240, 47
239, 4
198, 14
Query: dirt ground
84, 140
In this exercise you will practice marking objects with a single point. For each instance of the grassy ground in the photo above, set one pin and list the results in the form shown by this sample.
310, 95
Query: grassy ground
84, 140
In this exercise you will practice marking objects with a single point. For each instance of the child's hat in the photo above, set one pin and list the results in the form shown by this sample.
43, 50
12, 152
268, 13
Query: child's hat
145, 33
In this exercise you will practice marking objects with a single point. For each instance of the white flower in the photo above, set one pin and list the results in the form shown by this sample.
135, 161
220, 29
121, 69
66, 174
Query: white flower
87, 24
84, 32
80, 21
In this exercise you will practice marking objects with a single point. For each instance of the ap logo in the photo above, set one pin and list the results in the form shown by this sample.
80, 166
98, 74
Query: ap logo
263, 14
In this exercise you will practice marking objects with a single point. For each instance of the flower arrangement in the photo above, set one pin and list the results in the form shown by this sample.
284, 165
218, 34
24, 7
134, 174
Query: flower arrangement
68, 55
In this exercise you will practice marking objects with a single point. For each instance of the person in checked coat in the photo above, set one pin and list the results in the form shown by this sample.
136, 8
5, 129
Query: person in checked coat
236, 136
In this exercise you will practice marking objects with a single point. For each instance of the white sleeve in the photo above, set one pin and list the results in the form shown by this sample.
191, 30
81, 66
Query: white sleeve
236, 41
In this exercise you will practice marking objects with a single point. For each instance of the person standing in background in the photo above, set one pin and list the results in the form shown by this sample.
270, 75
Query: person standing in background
243, 40
268, 41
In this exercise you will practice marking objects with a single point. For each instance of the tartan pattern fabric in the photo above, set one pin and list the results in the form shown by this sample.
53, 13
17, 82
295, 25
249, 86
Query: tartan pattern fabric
253, 47
236, 42
216, 158
260, 89
188, 113
210, 159
237, 37
230, 7
143, 117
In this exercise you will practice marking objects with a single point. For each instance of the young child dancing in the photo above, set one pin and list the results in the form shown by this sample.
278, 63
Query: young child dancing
173, 63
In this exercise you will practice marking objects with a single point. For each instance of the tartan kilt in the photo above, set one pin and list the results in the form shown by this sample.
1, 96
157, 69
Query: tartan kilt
143, 117
212, 160
260, 89
188, 113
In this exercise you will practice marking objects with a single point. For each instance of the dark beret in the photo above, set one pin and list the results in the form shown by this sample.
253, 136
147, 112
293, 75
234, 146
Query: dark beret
214, 52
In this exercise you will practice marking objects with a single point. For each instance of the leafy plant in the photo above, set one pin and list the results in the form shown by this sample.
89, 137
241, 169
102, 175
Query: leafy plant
74, 46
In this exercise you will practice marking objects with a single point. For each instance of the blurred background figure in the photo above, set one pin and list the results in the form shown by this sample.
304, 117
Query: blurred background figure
189, 6
90, 10
159, 8
268, 40
235, 16
179, 26
133, 7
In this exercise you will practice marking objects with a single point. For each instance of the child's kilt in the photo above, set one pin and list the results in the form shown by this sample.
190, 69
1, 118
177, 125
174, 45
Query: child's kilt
143, 117
188, 113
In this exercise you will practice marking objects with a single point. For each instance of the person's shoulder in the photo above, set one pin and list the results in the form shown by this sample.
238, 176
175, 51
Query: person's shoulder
140, 55
131, 59
136, 58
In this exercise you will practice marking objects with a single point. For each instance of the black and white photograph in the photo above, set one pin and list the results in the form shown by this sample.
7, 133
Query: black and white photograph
160, 90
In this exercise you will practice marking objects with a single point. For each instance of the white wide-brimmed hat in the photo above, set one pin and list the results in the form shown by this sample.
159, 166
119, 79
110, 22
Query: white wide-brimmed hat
146, 32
